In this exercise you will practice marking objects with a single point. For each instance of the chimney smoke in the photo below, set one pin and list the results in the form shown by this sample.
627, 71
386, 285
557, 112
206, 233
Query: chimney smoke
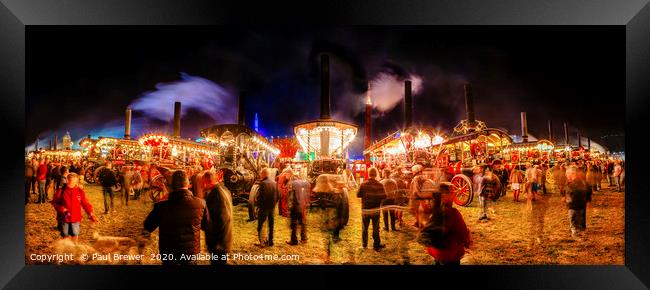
408, 105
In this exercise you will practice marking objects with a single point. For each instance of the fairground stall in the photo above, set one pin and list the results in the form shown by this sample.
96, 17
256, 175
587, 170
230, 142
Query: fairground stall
406, 147
534, 152
61, 155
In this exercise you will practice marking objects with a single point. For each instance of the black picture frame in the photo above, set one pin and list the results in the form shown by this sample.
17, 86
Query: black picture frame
633, 14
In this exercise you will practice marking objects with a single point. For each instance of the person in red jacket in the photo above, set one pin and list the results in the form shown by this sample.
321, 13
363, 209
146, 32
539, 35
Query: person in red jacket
446, 235
68, 203
283, 189
41, 177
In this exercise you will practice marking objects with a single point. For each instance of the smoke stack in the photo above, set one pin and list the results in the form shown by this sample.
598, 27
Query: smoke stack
127, 124
177, 119
524, 127
550, 131
579, 140
324, 86
408, 105
588, 143
566, 134
241, 115
469, 104
36, 145
56, 141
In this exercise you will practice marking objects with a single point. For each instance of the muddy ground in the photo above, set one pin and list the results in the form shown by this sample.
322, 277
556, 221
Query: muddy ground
505, 239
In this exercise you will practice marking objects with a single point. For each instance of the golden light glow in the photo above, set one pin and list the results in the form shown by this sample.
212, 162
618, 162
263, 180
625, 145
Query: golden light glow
339, 137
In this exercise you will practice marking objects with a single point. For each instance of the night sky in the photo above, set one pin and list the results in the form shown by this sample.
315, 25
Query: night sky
81, 79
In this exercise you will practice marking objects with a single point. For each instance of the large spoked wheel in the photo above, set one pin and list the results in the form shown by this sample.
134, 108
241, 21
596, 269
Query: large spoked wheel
89, 175
157, 189
462, 190
549, 178
252, 213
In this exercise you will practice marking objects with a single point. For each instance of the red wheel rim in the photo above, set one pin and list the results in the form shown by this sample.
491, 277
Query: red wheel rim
460, 190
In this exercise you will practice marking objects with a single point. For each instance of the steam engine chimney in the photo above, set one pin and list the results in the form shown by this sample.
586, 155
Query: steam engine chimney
566, 134
241, 115
550, 131
408, 105
127, 124
469, 104
177, 120
324, 86
524, 127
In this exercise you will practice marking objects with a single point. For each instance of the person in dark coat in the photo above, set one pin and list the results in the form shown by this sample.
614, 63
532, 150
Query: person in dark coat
578, 195
218, 236
372, 194
107, 179
180, 218
503, 175
267, 197
298, 203
56, 176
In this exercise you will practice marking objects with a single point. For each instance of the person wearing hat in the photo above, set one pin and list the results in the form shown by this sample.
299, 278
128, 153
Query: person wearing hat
180, 218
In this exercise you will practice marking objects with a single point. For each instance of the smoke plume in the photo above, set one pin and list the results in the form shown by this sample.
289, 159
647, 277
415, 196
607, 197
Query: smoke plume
193, 92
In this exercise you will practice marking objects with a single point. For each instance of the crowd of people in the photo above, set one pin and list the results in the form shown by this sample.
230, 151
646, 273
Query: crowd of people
44, 175
205, 204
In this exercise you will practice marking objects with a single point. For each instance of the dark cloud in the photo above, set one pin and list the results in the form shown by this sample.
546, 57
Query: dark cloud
82, 78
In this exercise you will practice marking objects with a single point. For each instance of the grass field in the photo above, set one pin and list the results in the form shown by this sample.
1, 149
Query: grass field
505, 239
